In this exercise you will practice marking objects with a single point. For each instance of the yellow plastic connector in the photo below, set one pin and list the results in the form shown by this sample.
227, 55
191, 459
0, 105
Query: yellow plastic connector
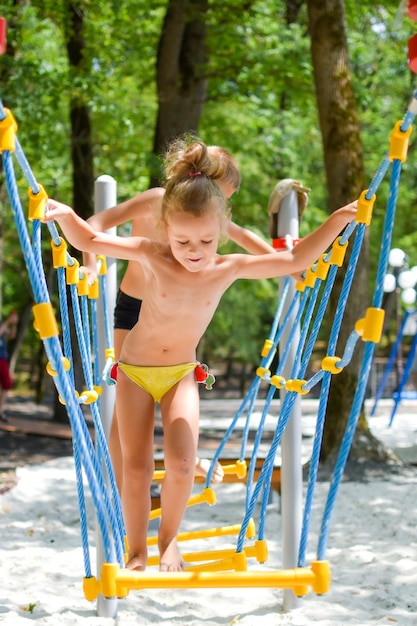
261, 551
370, 327
65, 362
44, 320
37, 203
62, 401
310, 278
322, 577
338, 252
91, 588
399, 140
365, 209
322, 268
103, 264
278, 381
300, 286
251, 529
93, 290
98, 389
329, 363
59, 253
8, 130
240, 469
263, 372
109, 353
297, 386
73, 273
82, 286
89, 396
267, 347
108, 581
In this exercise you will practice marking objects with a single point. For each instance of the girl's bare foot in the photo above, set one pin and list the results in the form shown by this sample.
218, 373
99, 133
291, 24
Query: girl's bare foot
202, 467
171, 559
136, 563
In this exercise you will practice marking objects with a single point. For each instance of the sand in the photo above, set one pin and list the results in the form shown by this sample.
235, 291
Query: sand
372, 550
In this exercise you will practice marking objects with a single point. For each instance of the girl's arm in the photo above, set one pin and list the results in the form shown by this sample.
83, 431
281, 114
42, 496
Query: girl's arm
248, 240
306, 252
138, 207
134, 208
83, 237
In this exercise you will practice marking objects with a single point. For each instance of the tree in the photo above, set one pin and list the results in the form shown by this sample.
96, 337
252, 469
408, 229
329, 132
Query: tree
343, 159
180, 73
81, 136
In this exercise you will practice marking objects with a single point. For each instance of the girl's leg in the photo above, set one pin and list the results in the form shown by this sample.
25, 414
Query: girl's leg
114, 440
180, 418
135, 415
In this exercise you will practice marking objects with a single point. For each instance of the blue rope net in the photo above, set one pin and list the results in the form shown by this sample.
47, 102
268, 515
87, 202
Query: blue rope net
299, 316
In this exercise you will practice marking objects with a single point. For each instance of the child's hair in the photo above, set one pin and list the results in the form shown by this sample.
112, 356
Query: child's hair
191, 179
225, 167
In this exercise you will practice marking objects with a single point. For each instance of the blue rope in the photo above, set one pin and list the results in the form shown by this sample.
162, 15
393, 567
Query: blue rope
406, 372
365, 367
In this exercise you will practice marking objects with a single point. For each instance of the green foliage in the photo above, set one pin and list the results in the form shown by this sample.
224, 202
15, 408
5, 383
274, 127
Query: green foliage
260, 105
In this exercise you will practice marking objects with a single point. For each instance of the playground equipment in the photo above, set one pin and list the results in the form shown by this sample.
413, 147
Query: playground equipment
303, 309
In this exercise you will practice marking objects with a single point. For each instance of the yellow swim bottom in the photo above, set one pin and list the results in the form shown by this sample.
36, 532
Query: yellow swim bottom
157, 380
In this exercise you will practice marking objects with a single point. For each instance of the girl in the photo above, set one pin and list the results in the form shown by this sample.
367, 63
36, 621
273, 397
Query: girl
184, 280
144, 210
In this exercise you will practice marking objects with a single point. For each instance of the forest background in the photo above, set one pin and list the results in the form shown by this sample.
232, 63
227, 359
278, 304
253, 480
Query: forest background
298, 89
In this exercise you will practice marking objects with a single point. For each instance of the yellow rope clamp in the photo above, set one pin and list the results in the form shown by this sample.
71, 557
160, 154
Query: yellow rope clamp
37, 203
88, 396
44, 320
59, 253
82, 286
365, 209
338, 252
323, 266
8, 130
278, 381
93, 291
399, 139
311, 276
103, 264
370, 327
297, 386
263, 372
267, 348
65, 362
73, 273
329, 363
109, 353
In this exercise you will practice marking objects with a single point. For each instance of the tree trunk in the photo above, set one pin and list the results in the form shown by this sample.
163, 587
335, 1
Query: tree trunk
81, 151
343, 158
81, 141
180, 74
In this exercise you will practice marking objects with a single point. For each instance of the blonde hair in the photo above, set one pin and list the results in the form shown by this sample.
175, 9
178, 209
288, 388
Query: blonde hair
192, 171
225, 167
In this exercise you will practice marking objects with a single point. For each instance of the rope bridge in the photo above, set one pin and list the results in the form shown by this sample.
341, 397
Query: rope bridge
305, 310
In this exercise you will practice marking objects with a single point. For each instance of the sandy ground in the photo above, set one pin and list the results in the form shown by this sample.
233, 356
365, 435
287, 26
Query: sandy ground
372, 550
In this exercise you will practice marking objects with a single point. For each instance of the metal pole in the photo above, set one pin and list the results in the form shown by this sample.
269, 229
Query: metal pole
105, 196
291, 470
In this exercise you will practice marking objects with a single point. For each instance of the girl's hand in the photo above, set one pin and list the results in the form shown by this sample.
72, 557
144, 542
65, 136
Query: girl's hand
56, 211
90, 272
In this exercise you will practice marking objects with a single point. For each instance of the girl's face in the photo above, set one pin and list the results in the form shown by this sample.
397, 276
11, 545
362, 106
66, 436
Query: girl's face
194, 240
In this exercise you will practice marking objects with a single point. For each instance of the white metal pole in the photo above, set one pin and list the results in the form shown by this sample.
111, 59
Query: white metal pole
105, 196
291, 469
